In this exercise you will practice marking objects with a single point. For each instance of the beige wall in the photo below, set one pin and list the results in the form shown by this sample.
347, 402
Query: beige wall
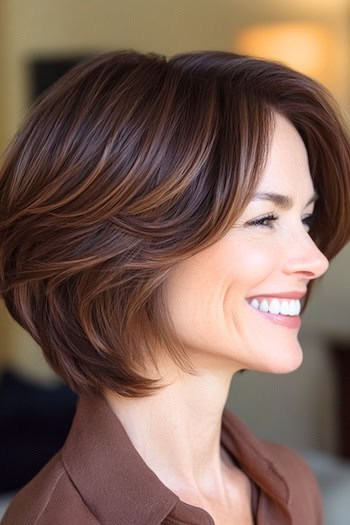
4, 324
37, 27
52, 26
2, 86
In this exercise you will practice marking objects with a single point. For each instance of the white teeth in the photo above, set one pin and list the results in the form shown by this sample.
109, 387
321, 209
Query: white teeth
274, 307
264, 306
255, 304
293, 308
277, 306
285, 308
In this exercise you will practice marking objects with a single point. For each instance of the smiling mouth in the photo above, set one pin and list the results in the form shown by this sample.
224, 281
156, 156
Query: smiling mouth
283, 312
276, 305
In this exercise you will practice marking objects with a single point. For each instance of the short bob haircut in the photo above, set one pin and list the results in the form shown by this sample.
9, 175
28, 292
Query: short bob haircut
129, 164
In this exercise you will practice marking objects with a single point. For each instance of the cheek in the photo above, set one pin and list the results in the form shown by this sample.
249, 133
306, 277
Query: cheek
251, 264
202, 289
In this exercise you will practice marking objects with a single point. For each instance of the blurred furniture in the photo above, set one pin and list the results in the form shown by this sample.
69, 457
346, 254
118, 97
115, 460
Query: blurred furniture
340, 353
333, 475
35, 421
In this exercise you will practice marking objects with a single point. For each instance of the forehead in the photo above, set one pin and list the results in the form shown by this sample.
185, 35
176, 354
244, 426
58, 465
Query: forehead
287, 167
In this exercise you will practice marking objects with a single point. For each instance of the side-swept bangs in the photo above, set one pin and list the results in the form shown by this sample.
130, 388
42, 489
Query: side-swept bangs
124, 167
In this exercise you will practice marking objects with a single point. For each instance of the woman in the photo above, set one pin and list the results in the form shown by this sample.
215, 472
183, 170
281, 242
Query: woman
162, 224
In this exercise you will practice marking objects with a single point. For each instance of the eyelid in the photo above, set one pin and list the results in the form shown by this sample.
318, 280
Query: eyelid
272, 217
310, 218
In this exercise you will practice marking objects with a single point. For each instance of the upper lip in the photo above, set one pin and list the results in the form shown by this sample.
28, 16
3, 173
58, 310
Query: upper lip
285, 295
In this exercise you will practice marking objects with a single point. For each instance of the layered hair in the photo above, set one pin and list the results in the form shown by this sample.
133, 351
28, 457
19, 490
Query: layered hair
129, 164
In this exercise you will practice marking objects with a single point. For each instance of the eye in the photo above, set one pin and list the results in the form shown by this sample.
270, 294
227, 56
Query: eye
265, 221
309, 220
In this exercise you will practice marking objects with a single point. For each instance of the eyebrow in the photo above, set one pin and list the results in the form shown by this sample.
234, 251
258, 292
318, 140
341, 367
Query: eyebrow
282, 201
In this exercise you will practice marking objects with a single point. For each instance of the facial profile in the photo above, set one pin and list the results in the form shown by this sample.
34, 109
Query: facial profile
268, 256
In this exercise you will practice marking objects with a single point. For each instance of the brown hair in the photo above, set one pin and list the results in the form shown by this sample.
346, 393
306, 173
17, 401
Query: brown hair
124, 167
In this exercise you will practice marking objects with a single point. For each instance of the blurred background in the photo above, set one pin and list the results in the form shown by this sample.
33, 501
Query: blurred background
309, 409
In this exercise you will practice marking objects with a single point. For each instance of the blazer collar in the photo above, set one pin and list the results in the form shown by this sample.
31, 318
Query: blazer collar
118, 486
257, 459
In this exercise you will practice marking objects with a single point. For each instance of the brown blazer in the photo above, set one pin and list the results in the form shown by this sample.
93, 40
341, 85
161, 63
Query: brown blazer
98, 477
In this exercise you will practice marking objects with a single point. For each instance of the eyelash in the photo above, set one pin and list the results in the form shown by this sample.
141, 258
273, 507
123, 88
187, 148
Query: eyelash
271, 217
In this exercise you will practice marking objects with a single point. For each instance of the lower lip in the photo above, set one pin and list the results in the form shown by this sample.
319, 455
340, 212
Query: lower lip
283, 320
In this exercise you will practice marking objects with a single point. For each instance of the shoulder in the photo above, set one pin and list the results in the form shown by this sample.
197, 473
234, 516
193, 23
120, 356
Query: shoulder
282, 474
291, 464
302, 485
50, 497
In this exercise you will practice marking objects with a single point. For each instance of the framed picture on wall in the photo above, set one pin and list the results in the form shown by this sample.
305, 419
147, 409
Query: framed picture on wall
44, 71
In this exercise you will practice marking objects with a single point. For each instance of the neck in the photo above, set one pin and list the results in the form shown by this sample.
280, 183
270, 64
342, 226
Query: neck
177, 430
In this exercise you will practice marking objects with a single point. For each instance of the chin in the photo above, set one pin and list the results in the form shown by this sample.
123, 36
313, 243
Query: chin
287, 366
287, 361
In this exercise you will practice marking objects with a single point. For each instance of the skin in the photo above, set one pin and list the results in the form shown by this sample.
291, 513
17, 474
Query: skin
207, 296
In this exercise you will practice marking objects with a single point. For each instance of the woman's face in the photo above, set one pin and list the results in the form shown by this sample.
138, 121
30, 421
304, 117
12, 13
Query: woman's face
268, 254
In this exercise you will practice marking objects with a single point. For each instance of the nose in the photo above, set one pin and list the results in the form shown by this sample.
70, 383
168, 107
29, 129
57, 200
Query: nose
305, 258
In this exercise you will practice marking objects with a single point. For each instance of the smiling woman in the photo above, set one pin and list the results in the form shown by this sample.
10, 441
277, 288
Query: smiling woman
267, 256
162, 222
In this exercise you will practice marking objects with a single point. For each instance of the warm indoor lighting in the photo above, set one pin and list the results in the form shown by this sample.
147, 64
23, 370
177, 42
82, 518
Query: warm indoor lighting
309, 48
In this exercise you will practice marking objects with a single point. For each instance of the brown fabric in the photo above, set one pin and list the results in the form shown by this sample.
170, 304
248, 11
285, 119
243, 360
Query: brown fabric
98, 477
